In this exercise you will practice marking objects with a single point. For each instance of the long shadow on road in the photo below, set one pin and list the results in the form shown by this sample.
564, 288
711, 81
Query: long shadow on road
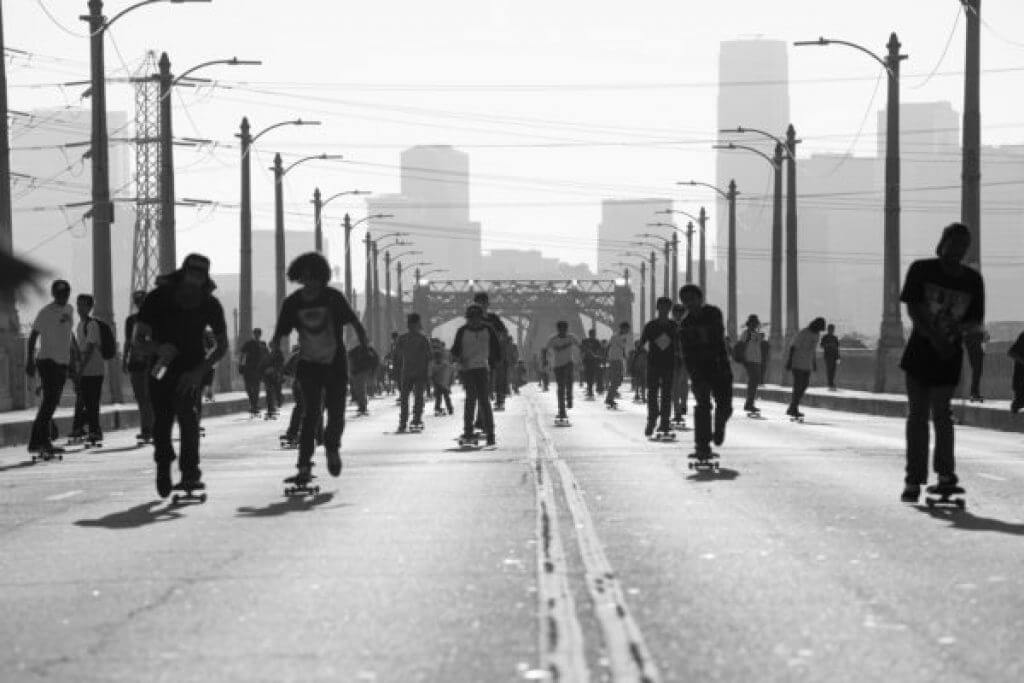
291, 504
132, 518
961, 519
722, 474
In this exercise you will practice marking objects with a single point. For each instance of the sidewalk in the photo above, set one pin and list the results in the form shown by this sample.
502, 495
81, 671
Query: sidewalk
988, 415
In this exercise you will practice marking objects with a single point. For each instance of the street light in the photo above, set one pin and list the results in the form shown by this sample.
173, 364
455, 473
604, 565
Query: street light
280, 172
788, 148
318, 207
399, 270
653, 261
372, 295
388, 258
246, 140
643, 294
167, 238
102, 208
669, 260
730, 197
890, 336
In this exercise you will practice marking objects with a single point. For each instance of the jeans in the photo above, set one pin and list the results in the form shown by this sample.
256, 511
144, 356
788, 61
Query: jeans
976, 357
500, 376
924, 400
140, 387
830, 371
445, 394
801, 380
416, 386
719, 388
87, 406
563, 377
272, 388
52, 377
591, 372
322, 385
359, 381
476, 382
754, 375
680, 391
614, 381
168, 405
659, 395
252, 388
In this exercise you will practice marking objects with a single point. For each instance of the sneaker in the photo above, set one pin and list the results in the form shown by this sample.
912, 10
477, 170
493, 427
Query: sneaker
189, 485
302, 477
718, 438
334, 462
164, 485
1016, 405
911, 493
948, 481
649, 429
490, 440
401, 429
561, 416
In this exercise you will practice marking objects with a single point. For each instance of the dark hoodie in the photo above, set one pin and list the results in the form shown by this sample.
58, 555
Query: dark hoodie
179, 326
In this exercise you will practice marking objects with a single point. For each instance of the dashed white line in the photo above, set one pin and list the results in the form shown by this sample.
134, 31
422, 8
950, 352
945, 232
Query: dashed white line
62, 496
991, 476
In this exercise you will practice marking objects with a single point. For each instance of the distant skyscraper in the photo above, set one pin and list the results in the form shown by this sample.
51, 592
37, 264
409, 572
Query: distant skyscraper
433, 207
753, 92
621, 221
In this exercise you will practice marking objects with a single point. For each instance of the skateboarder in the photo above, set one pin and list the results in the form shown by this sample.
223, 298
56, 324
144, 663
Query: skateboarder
680, 376
412, 350
89, 371
661, 336
170, 327
945, 299
619, 348
137, 370
830, 353
755, 352
54, 325
592, 356
251, 362
1016, 353
802, 362
702, 337
476, 349
499, 371
363, 363
558, 354
638, 373
441, 375
319, 313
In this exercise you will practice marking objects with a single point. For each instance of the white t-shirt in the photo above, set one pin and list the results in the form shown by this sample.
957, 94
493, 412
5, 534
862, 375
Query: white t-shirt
619, 347
752, 353
560, 349
804, 345
54, 324
88, 332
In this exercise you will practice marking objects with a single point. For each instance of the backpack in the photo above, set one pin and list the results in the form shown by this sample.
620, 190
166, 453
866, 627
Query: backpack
108, 344
739, 351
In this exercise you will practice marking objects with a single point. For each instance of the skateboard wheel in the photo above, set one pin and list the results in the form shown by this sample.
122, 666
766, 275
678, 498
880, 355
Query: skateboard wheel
929, 502
175, 499
960, 504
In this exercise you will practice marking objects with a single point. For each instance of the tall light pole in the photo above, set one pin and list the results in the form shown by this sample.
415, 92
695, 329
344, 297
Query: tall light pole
674, 250
246, 141
399, 269
970, 192
688, 232
643, 293
166, 242
730, 197
10, 395
388, 258
372, 295
667, 257
348, 226
280, 171
318, 207
890, 336
102, 207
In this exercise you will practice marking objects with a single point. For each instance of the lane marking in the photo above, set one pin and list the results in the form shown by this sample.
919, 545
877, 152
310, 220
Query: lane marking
991, 476
62, 496
561, 637
628, 656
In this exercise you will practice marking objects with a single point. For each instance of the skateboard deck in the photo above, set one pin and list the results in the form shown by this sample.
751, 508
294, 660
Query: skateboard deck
562, 422
755, 414
289, 444
47, 456
307, 488
611, 406
794, 418
416, 429
945, 497
663, 436
189, 495
703, 462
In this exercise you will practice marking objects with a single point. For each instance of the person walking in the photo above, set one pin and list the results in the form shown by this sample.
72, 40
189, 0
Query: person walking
413, 352
755, 352
830, 353
90, 370
680, 377
801, 362
591, 352
441, 375
476, 349
702, 337
319, 313
945, 299
170, 328
974, 342
251, 362
52, 329
363, 364
559, 355
661, 337
638, 373
137, 369
619, 348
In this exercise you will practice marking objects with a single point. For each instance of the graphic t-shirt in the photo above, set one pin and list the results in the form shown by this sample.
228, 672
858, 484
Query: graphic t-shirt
181, 327
54, 323
88, 332
830, 346
702, 336
954, 301
319, 322
662, 339
560, 349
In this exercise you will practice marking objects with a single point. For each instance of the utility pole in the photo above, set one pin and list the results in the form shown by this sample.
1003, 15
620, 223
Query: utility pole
348, 258
732, 323
102, 208
667, 256
970, 193
9, 324
654, 286
368, 290
245, 239
318, 226
703, 272
376, 299
689, 252
775, 325
398, 291
792, 283
388, 320
675, 264
166, 241
643, 293
279, 244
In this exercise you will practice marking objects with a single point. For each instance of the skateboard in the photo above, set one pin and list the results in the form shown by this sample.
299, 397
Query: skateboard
755, 414
679, 424
703, 462
469, 444
439, 413
270, 416
143, 440
562, 422
663, 436
611, 406
254, 415
945, 497
189, 494
287, 443
301, 488
202, 432
47, 455
416, 427
92, 443
499, 408
796, 418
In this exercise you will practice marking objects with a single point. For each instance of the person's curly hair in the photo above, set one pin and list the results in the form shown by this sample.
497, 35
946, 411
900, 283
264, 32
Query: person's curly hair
310, 266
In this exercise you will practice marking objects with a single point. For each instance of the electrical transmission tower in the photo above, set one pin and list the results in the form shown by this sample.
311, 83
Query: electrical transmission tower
146, 262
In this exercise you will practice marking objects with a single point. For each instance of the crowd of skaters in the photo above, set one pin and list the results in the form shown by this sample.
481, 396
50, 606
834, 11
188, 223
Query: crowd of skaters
177, 335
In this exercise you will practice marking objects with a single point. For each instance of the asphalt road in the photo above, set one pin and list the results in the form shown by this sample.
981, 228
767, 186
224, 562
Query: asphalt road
580, 553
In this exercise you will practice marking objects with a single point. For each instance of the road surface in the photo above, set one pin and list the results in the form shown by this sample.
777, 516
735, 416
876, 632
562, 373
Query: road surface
581, 553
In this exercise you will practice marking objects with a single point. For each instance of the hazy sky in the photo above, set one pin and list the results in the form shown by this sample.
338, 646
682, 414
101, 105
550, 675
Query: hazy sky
559, 103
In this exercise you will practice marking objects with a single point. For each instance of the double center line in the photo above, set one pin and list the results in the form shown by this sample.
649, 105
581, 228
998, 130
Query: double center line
561, 637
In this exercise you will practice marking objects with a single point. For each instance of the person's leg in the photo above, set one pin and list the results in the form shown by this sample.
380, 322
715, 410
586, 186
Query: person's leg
419, 388
437, 398
92, 393
486, 415
753, 381
942, 418
561, 389
404, 388
161, 393
918, 407
976, 357
830, 372
78, 416
252, 390
52, 377
652, 395
801, 380
312, 377
667, 377
702, 415
140, 386
589, 377
469, 408
721, 389
270, 388
570, 374
188, 431
335, 387
295, 423
448, 400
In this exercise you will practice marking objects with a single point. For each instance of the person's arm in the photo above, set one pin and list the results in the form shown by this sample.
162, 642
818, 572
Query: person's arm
1016, 352
494, 347
191, 380
285, 324
427, 355
129, 329
30, 353
457, 345
92, 341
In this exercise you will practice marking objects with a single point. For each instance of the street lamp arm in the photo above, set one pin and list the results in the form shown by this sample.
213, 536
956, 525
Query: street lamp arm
694, 183
680, 212
137, 5
342, 194
379, 216
652, 235
321, 157
755, 150
234, 61
296, 122
822, 42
